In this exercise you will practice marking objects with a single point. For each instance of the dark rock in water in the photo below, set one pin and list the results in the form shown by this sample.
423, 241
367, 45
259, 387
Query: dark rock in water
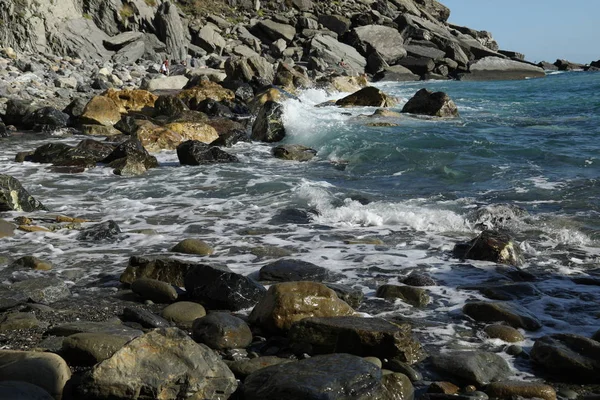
268, 126
230, 138
396, 365
17, 111
359, 336
130, 158
42, 290
419, 279
108, 230
436, 104
369, 96
515, 389
214, 108
546, 66
46, 119
221, 331
11, 298
13, 197
503, 332
194, 152
294, 152
596, 336
415, 296
472, 367
3, 131
396, 73
164, 363
86, 154
170, 106
339, 376
292, 216
294, 270
565, 65
144, 317
353, 297
571, 357
219, 288
127, 125
14, 389
163, 269
512, 314
490, 245
496, 216
512, 291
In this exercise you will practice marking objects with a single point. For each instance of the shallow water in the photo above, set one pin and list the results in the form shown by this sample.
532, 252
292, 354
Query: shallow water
412, 188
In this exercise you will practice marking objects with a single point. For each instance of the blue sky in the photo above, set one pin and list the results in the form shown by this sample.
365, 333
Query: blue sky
541, 29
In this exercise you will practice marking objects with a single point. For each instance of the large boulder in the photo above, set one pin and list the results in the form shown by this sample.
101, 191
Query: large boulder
13, 197
436, 104
272, 31
131, 99
193, 96
130, 53
385, 40
285, 303
268, 125
46, 119
330, 50
161, 82
369, 96
101, 110
220, 288
246, 68
170, 30
286, 270
168, 270
209, 39
336, 23
291, 79
222, 331
512, 314
359, 336
164, 363
490, 245
569, 356
514, 389
194, 152
46, 290
472, 367
130, 158
494, 68
198, 131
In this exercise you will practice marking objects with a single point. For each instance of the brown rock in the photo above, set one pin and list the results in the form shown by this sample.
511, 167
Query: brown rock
367, 97
201, 132
205, 90
503, 332
443, 387
156, 138
132, 100
101, 110
513, 389
288, 302
193, 246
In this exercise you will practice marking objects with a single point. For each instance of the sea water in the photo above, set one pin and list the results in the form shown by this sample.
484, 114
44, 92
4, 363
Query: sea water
377, 202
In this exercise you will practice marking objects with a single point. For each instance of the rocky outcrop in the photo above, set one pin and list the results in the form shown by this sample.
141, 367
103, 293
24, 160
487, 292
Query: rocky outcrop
436, 104
369, 96
13, 197
494, 68
170, 30
490, 245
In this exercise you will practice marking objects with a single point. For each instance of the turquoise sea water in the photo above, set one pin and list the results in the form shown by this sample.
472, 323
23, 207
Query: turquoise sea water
376, 204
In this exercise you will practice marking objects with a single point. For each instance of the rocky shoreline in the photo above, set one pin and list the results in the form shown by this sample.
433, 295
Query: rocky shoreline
171, 328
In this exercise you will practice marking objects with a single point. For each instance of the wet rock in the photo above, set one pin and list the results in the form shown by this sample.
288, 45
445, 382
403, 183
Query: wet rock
183, 313
243, 368
143, 317
219, 288
11, 298
419, 279
436, 104
573, 358
496, 216
495, 246
294, 152
285, 303
26, 366
512, 314
396, 385
268, 126
19, 321
165, 362
288, 270
472, 367
193, 246
412, 295
396, 365
511, 291
367, 97
130, 158
169, 106
13, 197
44, 290
528, 390
30, 263
503, 332
194, 152
350, 295
164, 269
359, 336
341, 376
87, 349
101, 110
221, 331
108, 230
109, 328
22, 391
155, 290
292, 216
230, 138
443, 387
47, 119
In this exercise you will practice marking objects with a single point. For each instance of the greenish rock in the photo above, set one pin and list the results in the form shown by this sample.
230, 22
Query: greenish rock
183, 313
19, 321
294, 152
397, 365
22, 391
86, 349
45, 290
243, 368
350, 295
13, 197
415, 296
155, 290
268, 125
396, 386
503, 332
30, 263
193, 246
369, 96
374, 360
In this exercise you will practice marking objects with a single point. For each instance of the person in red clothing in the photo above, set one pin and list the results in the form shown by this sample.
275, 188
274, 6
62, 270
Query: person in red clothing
164, 68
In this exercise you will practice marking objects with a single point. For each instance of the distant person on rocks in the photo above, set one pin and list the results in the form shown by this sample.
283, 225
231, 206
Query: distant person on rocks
164, 68
343, 64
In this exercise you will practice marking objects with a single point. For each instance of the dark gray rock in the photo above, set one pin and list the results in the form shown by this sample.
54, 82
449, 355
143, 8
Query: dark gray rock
418, 66
221, 331
436, 104
359, 336
338, 376
44, 290
472, 367
219, 288
396, 73
230, 138
243, 368
491, 245
46, 119
396, 365
419, 279
546, 66
513, 314
168, 270
566, 65
169, 106
293, 270
385, 40
11, 298
109, 328
335, 23
511, 291
17, 111
350, 295
75, 108
169, 30
13, 197
143, 317
294, 152
270, 31
108, 230
497, 216
131, 151
87, 349
194, 152
571, 357
20, 390
268, 126
415, 296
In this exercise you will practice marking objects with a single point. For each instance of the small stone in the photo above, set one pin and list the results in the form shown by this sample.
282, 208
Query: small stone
193, 246
31, 263
443, 387
155, 290
514, 350
503, 332
219, 330
183, 313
